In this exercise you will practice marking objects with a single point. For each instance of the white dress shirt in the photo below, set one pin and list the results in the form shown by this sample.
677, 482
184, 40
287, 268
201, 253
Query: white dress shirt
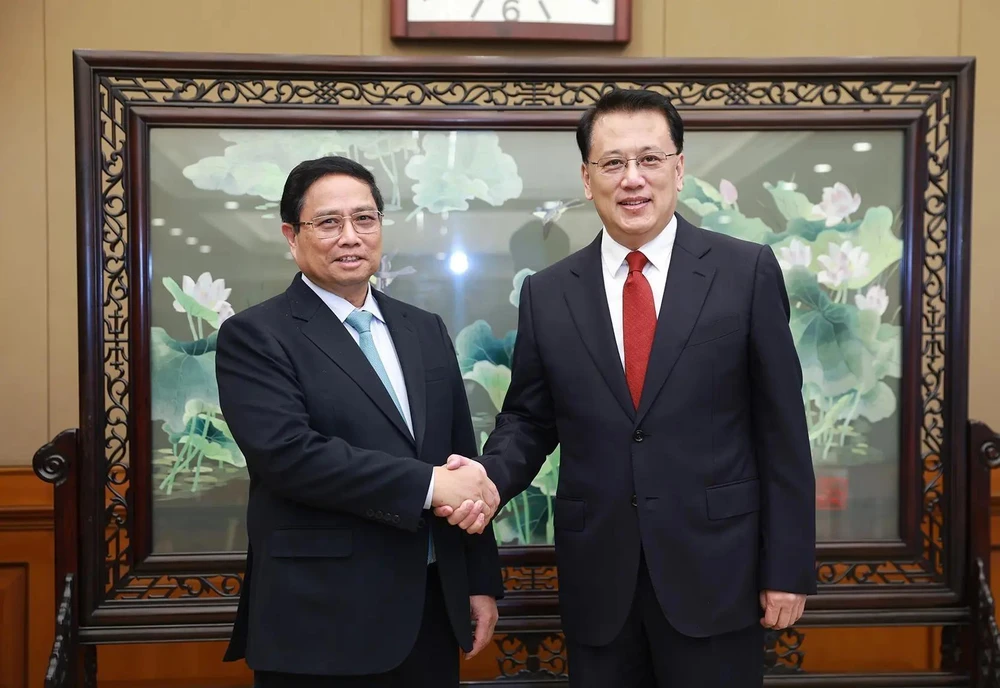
657, 252
342, 308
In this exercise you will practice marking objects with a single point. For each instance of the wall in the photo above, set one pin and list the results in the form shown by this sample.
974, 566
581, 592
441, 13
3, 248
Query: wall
38, 265
37, 120
27, 578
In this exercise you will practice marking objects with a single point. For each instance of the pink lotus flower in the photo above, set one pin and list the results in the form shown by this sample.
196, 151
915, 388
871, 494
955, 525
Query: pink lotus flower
843, 263
206, 291
796, 254
838, 204
876, 299
728, 191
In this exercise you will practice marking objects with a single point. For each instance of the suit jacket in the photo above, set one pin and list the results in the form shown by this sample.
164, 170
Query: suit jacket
711, 476
337, 559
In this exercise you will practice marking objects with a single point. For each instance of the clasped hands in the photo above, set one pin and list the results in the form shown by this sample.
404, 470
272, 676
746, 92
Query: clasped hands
464, 494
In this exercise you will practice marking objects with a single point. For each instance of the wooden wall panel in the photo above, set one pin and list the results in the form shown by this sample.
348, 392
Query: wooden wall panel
13, 626
183, 663
27, 578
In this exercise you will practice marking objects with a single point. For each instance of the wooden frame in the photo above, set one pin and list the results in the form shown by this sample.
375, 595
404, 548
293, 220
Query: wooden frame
127, 592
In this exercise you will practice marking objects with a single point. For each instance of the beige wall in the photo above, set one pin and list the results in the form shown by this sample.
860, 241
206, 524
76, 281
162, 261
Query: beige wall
37, 221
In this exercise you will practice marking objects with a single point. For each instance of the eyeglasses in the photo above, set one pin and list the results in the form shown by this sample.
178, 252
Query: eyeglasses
616, 164
331, 226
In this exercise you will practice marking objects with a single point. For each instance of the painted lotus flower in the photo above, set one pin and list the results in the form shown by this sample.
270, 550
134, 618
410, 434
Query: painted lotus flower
728, 192
796, 254
875, 299
843, 263
207, 292
838, 204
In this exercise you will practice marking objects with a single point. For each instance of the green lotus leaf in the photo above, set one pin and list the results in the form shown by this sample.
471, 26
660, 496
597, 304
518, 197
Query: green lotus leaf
190, 304
450, 173
735, 224
495, 379
791, 204
547, 479
829, 338
878, 403
181, 371
475, 342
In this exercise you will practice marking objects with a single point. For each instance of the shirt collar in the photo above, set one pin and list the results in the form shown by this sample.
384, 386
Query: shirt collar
657, 250
340, 306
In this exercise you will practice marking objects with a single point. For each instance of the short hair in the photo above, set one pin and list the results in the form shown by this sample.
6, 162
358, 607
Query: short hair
308, 172
628, 100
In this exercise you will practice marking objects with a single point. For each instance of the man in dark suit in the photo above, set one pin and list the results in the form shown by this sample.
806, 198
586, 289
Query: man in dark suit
346, 404
660, 358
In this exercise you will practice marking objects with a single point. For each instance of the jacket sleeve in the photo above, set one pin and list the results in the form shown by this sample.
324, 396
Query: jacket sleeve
263, 403
525, 432
781, 439
481, 554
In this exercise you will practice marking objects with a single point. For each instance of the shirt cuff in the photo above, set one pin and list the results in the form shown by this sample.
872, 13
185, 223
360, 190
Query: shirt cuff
430, 493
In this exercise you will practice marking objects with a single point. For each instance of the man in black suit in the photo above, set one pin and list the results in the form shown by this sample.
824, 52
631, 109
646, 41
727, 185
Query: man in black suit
660, 358
346, 404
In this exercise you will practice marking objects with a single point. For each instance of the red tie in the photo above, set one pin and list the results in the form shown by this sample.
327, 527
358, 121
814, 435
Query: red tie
639, 323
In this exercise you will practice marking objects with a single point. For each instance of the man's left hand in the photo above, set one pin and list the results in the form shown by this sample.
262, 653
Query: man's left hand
781, 609
484, 616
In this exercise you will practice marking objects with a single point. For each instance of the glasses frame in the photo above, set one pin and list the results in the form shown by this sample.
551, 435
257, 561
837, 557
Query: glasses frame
313, 223
597, 162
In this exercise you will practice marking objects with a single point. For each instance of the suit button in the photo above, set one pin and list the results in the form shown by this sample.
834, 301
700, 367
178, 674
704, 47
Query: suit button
395, 519
369, 513
421, 522
635, 501
638, 436
378, 514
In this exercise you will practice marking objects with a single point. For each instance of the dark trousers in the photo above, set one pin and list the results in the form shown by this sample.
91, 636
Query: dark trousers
432, 663
649, 653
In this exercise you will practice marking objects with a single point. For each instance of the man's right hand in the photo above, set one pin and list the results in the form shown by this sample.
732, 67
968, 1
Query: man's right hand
461, 486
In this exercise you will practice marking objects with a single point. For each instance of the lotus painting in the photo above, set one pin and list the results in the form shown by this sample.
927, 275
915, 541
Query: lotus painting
469, 214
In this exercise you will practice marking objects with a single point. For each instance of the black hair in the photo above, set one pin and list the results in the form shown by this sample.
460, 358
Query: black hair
308, 172
628, 100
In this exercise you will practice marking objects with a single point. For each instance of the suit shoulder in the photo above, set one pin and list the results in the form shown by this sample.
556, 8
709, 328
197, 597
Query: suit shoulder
559, 269
742, 249
261, 314
415, 313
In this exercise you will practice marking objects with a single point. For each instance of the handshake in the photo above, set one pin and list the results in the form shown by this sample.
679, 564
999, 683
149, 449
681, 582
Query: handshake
464, 494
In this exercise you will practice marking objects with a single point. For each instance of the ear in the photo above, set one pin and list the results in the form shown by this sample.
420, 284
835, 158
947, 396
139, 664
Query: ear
585, 175
290, 236
680, 172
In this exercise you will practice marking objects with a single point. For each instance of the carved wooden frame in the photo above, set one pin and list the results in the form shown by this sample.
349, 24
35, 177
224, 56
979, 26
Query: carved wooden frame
128, 593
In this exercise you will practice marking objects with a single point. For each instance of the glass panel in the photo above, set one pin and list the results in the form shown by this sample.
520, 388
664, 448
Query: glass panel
469, 214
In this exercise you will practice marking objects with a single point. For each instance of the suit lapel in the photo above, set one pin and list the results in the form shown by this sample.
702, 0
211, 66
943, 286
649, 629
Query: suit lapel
407, 345
588, 306
688, 281
323, 328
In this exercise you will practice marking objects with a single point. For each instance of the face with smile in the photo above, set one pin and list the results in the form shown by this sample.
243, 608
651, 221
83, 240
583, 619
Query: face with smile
636, 201
342, 262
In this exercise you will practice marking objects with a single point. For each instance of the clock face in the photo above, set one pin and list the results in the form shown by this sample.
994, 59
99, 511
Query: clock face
585, 12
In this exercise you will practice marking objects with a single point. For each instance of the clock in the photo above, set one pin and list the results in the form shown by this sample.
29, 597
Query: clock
602, 21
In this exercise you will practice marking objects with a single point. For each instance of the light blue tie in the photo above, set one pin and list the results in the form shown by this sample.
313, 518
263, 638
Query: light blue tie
361, 321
